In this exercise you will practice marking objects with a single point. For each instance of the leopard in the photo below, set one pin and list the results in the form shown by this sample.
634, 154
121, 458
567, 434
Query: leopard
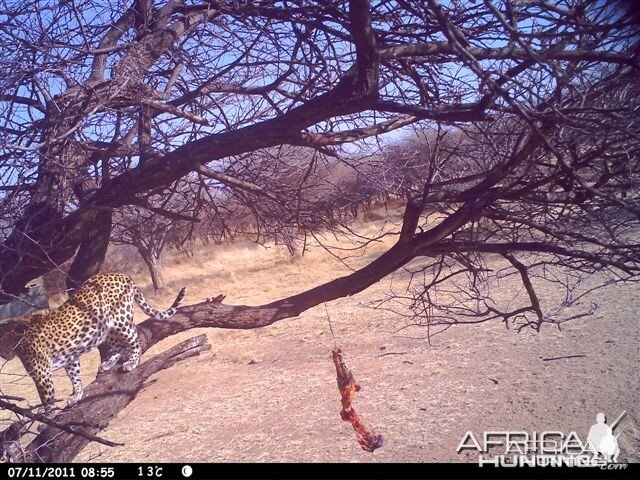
98, 313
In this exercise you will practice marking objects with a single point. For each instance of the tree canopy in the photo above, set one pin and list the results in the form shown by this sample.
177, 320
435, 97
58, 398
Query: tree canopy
531, 110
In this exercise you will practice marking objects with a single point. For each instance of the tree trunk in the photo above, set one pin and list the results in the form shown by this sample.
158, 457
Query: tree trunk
93, 249
156, 275
154, 264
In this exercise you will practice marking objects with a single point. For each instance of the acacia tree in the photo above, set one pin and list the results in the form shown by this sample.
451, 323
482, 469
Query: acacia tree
149, 234
102, 106
157, 222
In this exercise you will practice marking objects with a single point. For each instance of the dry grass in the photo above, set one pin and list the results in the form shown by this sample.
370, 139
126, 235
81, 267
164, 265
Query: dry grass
270, 394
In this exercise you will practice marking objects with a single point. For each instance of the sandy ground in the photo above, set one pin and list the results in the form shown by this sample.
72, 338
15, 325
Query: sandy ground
270, 394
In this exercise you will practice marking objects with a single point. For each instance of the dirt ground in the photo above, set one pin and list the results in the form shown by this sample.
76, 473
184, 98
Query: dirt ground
270, 394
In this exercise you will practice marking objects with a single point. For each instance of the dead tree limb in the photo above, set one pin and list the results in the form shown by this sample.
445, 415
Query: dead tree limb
11, 436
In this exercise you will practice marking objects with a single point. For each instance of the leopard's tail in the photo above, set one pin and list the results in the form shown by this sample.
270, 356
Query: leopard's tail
156, 314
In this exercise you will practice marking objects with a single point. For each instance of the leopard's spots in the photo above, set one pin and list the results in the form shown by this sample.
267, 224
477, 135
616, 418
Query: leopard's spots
99, 312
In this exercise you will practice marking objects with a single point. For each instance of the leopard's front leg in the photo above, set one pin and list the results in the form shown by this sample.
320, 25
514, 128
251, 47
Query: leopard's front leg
39, 368
73, 370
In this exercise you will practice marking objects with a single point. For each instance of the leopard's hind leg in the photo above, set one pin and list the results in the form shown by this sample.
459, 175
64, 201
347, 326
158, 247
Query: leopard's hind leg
110, 351
123, 343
